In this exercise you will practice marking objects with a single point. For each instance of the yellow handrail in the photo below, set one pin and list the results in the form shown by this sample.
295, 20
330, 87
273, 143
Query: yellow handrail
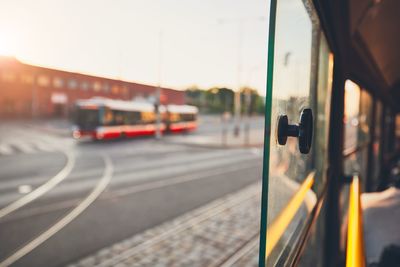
281, 222
355, 254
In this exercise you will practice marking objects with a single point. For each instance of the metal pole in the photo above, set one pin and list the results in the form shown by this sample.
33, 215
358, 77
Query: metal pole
158, 91
237, 114
247, 120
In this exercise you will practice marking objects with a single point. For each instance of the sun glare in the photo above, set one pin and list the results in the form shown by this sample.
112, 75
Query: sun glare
6, 49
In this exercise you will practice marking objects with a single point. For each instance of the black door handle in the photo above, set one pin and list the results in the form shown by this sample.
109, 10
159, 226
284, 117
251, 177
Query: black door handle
303, 131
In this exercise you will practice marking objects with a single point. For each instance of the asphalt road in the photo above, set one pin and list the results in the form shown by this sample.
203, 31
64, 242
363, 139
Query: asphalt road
61, 200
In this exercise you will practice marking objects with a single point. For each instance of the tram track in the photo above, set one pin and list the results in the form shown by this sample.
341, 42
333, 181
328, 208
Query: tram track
244, 250
142, 187
203, 214
65, 220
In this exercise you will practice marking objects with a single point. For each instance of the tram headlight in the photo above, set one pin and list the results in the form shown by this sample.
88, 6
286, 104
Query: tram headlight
76, 134
100, 133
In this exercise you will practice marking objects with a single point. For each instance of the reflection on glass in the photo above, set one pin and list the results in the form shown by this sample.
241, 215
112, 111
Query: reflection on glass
299, 50
357, 123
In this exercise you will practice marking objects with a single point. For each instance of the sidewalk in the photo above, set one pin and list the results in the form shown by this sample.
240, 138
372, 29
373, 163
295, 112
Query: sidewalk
223, 139
224, 232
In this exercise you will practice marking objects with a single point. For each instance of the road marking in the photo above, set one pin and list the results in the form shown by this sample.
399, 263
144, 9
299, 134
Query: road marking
23, 147
44, 188
134, 189
177, 180
101, 185
44, 146
24, 189
5, 149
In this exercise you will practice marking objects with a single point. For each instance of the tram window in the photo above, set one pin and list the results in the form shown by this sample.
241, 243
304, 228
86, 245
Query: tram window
187, 117
397, 132
376, 147
87, 117
108, 117
148, 117
132, 117
351, 114
357, 123
174, 117
119, 117
297, 84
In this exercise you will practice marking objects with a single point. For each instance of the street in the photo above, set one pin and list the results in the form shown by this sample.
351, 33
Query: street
63, 199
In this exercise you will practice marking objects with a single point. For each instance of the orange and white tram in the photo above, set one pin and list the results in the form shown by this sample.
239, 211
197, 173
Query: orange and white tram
102, 118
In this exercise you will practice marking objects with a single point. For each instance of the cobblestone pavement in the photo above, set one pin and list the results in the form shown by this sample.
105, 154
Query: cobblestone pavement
222, 233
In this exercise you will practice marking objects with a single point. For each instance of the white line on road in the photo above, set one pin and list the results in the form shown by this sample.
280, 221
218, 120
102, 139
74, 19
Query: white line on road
128, 190
41, 189
5, 149
101, 185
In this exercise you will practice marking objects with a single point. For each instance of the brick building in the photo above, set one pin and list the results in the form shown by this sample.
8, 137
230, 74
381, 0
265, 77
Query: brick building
32, 91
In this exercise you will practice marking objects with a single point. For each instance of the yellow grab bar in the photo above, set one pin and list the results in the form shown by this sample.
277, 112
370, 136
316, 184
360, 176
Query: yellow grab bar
281, 222
355, 254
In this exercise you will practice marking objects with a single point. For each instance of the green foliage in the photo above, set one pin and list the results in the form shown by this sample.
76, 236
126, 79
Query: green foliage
219, 100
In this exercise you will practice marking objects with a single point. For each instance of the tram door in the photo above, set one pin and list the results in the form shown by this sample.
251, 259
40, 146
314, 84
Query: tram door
299, 78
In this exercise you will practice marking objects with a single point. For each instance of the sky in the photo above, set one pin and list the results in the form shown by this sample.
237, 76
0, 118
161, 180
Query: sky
177, 43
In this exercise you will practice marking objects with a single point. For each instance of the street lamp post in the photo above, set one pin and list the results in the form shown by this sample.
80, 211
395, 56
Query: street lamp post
158, 90
240, 35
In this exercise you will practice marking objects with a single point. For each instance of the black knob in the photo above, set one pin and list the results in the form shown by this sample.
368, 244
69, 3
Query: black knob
303, 131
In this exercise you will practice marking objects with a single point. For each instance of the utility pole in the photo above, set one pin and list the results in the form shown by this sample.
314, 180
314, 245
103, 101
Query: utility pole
158, 90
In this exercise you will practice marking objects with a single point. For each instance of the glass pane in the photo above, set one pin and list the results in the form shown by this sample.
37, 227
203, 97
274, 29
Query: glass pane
351, 113
357, 136
301, 68
313, 256
125, 147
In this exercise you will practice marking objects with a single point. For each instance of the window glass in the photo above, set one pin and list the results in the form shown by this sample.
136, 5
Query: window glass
351, 116
376, 147
27, 79
148, 117
85, 86
43, 80
106, 88
58, 82
357, 123
397, 132
115, 89
302, 76
72, 84
96, 86
87, 118
7, 76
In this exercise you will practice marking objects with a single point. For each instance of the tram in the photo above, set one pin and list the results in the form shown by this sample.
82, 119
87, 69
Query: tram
102, 118
330, 194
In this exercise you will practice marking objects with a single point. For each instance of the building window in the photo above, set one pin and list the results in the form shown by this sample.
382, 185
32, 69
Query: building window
96, 86
125, 90
27, 79
8, 76
85, 86
72, 84
115, 89
43, 81
58, 82
106, 87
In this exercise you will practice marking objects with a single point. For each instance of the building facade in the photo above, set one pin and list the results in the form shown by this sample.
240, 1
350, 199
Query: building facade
28, 91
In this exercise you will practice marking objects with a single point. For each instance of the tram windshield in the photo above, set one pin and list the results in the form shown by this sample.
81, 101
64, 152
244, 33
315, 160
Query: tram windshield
87, 118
